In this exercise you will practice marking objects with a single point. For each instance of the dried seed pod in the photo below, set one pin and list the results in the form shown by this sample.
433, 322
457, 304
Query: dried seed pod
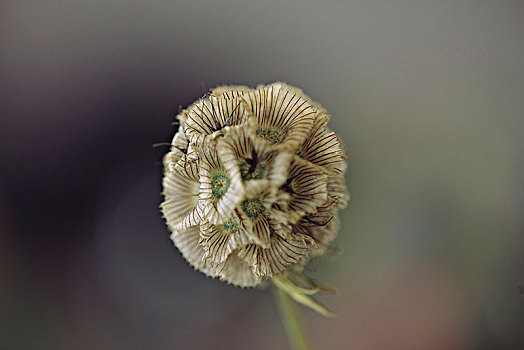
253, 183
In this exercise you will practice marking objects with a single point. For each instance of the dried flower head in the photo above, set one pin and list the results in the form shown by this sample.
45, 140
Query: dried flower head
253, 183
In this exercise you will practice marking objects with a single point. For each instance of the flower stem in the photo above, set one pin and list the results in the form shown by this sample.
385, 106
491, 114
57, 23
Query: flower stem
291, 319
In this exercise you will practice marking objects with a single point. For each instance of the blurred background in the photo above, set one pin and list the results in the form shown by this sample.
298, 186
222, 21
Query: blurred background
426, 95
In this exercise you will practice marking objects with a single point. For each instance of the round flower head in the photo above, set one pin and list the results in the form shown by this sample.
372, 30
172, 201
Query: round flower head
253, 183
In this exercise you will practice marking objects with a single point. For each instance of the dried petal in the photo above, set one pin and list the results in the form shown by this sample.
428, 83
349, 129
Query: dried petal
284, 115
323, 148
282, 253
181, 188
211, 114
337, 191
186, 240
220, 187
236, 272
219, 241
230, 91
307, 186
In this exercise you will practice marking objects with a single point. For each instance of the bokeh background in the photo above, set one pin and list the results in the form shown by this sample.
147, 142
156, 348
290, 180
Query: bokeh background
426, 95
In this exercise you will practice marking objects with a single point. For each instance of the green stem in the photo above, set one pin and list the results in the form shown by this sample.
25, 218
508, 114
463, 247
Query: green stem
291, 319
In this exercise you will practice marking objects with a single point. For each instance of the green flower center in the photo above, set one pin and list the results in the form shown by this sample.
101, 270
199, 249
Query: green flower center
252, 171
231, 225
253, 207
219, 184
273, 136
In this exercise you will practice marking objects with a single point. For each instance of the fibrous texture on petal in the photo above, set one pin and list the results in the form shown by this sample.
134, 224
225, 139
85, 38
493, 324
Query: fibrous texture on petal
181, 189
253, 183
209, 115
220, 187
283, 115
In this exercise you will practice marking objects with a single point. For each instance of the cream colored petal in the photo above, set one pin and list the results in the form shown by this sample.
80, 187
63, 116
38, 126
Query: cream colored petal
323, 148
180, 140
280, 227
281, 201
281, 254
181, 187
219, 241
217, 210
322, 227
211, 114
179, 146
186, 240
236, 272
236, 147
256, 160
279, 168
171, 159
241, 238
216, 244
324, 235
284, 114
254, 187
307, 186
280, 219
285, 216
188, 168
260, 232
193, 218
230, 91
192, 154
182, 116
337, 191
236, 143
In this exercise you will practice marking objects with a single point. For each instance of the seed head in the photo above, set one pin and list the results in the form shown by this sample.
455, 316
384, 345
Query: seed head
253, 183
